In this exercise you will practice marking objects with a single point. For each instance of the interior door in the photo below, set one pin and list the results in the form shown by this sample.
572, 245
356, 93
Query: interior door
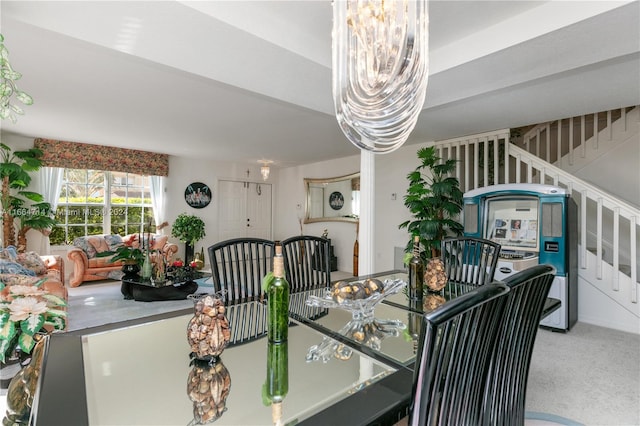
259, 210
244, 210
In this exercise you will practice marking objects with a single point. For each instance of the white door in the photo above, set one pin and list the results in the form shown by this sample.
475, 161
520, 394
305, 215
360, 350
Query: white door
259, 210
244, 210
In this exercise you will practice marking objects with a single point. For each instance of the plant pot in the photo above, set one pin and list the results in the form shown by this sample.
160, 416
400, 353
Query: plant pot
188, 253
130, 269
435, 277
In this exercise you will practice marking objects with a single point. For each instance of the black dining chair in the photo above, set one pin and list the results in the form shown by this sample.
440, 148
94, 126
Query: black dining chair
455, 347
469, 260
306, 262
509, 371
238, 266
247, 322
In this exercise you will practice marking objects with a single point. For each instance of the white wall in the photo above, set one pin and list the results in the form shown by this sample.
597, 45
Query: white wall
289, 203
183, 171
617, 171
391, 178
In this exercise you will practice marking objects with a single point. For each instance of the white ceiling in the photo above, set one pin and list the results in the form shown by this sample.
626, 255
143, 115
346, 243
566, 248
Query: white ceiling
247, 80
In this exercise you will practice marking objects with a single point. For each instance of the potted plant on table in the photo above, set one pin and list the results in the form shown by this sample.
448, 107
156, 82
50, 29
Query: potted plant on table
189, 229
434, 199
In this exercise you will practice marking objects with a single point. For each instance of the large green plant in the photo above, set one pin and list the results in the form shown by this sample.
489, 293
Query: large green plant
15, 167
434, 199
188, 228
37, 216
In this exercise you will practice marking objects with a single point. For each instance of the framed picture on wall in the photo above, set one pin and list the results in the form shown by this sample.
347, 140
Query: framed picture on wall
197, 195
336, 200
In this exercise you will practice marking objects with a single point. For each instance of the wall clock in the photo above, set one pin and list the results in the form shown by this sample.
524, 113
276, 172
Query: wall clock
336, 200
197, 195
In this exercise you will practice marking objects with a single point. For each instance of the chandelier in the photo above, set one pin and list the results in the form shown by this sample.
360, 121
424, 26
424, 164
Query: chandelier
265, 170
380, 69
8, 87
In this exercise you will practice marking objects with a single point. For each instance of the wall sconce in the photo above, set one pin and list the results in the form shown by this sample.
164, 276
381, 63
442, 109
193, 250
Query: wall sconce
380, 69
265, 170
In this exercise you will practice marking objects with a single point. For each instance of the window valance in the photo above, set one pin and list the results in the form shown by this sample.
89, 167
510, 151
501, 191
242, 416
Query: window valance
99, 157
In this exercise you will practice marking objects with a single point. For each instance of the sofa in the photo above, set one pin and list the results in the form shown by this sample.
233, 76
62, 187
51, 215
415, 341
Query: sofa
28, 268
88, 266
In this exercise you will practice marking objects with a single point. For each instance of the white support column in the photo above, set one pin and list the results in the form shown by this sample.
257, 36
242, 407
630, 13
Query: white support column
367, 217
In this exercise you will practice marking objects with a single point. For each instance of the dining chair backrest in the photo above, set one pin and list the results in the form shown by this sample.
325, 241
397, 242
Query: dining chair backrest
306, 262
509, 371
469, 260
247, 322
455, 347
238, 266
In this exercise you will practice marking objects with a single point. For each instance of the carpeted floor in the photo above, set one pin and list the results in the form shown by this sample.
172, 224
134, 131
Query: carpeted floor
590, 374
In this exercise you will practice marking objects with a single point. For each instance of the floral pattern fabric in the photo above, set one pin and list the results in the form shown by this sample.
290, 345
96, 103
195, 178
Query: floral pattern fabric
99, 157
28, 263
32, 260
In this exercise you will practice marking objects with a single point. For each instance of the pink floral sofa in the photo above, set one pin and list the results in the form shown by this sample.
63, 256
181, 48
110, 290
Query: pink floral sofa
88, 267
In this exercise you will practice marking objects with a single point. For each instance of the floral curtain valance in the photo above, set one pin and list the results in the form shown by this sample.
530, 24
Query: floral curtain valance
98, 157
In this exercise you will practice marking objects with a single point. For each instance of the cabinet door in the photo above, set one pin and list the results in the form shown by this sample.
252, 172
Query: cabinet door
244, 210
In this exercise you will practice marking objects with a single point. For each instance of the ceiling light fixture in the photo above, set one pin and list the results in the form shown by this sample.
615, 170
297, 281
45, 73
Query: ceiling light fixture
8, 87
380, 69
265, 170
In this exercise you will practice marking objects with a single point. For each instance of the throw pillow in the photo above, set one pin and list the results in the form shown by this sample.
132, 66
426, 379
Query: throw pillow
113, 241
9, 253
98, 243
32, 261
83, 244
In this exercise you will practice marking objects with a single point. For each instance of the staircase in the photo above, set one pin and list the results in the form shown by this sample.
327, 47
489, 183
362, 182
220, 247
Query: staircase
560, 153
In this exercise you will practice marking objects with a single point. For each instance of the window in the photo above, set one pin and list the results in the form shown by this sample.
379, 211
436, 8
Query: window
100, 202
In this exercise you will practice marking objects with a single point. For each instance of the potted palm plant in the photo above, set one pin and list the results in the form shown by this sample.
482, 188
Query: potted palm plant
189, 229
15, 167
434, 199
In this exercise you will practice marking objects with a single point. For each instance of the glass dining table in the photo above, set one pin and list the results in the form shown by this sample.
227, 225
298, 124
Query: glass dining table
340, 370
137, 373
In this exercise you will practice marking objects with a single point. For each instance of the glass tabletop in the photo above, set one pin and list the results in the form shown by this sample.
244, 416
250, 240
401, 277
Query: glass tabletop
139, 375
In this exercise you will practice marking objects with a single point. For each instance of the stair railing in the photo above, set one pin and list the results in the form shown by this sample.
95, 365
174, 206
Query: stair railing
542, 139
488, 158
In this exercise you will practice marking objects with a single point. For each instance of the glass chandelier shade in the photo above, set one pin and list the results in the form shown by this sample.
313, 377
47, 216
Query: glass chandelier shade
264, 171
380, 69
